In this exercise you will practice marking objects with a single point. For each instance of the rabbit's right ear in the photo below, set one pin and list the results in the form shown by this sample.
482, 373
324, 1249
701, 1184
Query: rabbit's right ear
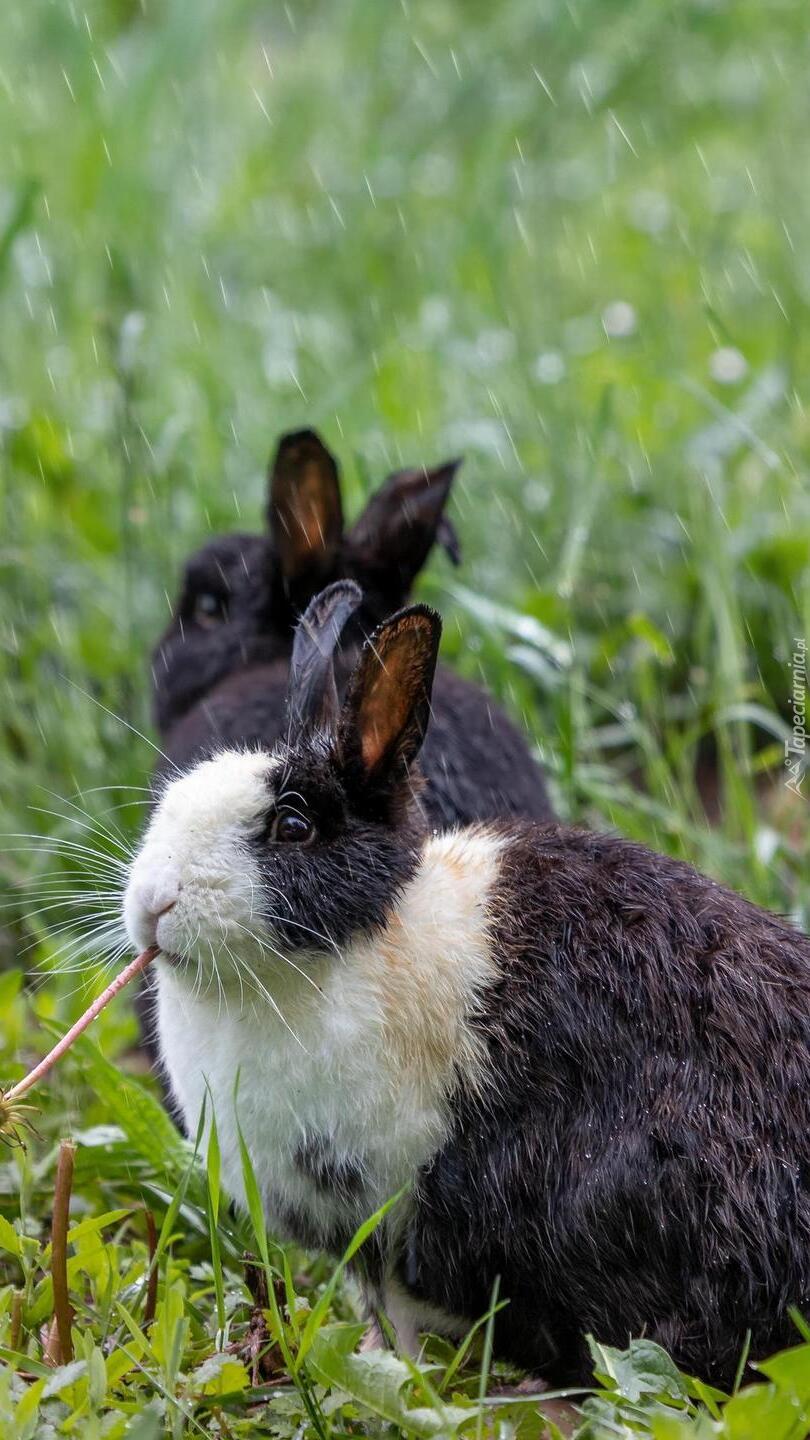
305, 511
401, 524
387, 707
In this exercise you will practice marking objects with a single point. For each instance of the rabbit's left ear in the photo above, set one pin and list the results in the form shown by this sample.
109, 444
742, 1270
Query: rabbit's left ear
387, 707
305, 511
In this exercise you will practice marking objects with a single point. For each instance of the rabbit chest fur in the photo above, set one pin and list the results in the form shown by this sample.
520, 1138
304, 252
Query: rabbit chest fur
345, 1080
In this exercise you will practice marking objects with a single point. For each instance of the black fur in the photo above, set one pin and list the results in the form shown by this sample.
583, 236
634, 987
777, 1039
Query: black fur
221, 677
641, 1161
197, 652
342, 1175
356, 864
474, 761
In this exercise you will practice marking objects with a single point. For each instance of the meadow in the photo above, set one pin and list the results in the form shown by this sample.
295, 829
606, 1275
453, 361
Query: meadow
564, 240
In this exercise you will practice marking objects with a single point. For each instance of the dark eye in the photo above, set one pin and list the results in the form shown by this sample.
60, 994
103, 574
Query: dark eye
290, 829
210, 609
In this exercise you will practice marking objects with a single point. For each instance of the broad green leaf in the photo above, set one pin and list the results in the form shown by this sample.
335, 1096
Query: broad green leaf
168, 1335
220, 1374
140, 1115
149, 1425
790, 1370
12, 1359
141, 1344
643, 1369
9, 1239
761, 1412
96, 1376
65, 1376
27, 1410
376, 1380
96, 1223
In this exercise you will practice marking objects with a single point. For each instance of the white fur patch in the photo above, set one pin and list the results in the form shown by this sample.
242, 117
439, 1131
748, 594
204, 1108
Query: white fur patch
359, 1048
363, 1048
194, 856
409, 1316
432, 962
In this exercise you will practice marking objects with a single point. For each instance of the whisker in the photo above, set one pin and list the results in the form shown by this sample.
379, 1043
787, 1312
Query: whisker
68, 928
264, 993
124, 722
219, 982
317, 934
84, 984
67, 901
84, 941
265, 946
93, 825
54, 845
97, 789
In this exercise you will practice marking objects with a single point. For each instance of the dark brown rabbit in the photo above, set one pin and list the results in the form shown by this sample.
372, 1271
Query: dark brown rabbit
221, 669
587, 1065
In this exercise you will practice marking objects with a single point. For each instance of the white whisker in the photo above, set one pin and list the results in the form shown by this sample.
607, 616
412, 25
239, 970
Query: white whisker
124, 722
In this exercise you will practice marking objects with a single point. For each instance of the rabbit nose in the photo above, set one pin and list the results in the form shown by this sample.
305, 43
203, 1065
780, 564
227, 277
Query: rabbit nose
155, 896
158, 897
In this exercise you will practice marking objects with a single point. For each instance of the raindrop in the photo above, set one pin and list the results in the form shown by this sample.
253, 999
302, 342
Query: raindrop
650, 211
549, 368
619, 320
728, 366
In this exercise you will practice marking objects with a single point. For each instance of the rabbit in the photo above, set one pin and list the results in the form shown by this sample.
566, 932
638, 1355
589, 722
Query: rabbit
586, 1065
221, 669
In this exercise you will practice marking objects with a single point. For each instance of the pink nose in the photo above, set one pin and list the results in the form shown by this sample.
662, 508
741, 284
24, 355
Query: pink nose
152, 914
157, 891
153, 891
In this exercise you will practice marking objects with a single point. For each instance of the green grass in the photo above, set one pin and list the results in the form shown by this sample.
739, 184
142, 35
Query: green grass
523, 232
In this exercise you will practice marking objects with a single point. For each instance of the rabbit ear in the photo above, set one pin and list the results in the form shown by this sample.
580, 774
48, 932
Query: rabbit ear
402, 522
305, 510
387, 708
312, 696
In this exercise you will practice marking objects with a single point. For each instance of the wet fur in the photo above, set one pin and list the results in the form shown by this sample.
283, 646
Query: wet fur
590, 1063
642, 1165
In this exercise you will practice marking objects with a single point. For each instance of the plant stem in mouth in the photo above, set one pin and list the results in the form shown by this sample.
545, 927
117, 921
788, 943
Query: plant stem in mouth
135, 967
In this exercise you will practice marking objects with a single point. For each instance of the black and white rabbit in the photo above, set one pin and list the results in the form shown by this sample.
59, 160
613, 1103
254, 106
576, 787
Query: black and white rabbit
589, 1063
221, 669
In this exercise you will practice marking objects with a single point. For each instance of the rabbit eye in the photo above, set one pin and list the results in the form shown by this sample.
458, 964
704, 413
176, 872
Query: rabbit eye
210, 609
291, 829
